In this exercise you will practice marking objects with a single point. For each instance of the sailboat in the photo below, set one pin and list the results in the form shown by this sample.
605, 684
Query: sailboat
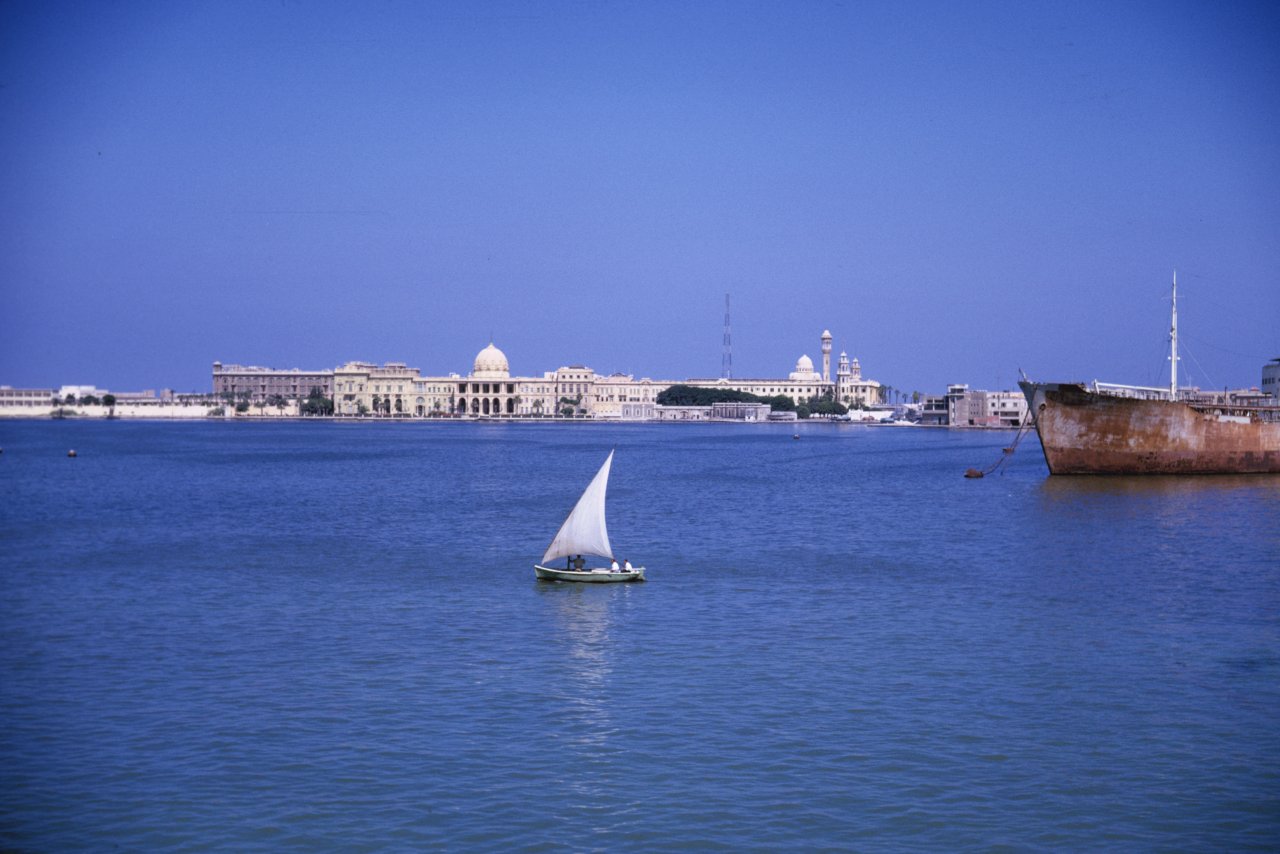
584, 533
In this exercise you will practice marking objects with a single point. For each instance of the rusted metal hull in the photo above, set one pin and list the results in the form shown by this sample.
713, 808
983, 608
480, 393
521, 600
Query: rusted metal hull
1083, 432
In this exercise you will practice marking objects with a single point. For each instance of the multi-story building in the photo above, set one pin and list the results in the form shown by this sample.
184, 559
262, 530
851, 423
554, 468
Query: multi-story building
977, 408
934, 410
364, 387
623, 397
490, 391
1271, 378
805, 383
257, 384
26, 397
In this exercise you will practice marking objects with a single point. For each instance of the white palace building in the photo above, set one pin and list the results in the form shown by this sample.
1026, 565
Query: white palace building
490, 391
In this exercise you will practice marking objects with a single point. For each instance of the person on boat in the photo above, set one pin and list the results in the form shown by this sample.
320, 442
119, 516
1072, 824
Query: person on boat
578, 563
626, 564
614, 565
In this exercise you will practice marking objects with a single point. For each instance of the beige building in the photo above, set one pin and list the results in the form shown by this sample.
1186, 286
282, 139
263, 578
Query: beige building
490, 391
804, 383
256, 384
968, 407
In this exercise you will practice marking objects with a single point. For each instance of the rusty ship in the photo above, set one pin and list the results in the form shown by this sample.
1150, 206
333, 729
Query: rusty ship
1103, 428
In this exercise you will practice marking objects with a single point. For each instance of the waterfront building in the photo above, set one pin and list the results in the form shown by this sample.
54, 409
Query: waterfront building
623, 397
256, 384
26, 397
933, 412
851, 389
490, 391
1271, 378
736, 411
391, 389
804, 383
978, 408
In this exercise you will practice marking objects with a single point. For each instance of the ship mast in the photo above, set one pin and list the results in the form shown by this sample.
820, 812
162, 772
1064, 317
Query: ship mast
1173, 343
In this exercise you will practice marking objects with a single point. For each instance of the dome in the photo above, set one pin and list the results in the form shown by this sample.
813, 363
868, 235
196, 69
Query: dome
491, 363
826, 335
804, 371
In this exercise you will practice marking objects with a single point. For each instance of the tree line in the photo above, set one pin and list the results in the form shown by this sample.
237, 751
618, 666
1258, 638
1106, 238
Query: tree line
687, 395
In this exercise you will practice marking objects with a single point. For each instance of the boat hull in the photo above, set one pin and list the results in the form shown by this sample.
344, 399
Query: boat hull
1083, 432
589, 576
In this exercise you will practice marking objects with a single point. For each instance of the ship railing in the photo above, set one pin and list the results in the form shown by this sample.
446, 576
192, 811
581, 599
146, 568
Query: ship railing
1138, 392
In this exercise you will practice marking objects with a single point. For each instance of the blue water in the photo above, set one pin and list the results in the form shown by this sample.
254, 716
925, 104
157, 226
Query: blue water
328, 635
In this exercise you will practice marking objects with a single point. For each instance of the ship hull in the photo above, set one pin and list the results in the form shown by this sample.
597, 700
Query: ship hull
1082, 432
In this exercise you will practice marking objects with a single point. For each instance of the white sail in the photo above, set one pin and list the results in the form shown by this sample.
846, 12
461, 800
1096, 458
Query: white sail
583, 533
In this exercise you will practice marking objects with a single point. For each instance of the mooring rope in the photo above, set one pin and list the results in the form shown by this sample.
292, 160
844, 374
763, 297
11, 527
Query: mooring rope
1007, 452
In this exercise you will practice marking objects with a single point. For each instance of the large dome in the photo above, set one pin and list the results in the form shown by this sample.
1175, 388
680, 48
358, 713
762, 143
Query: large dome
804, 371
491, 363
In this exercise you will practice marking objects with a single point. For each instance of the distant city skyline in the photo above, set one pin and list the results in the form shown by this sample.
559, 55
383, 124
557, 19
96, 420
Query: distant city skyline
956, 191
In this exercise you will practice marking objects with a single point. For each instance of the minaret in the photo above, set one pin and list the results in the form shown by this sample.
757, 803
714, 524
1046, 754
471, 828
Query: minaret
826, 355
726, 358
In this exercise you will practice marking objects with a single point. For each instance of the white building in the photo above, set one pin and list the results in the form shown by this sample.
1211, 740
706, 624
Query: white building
1271, 378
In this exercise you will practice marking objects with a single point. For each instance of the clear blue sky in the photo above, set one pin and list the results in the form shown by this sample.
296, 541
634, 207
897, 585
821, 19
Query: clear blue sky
955, 190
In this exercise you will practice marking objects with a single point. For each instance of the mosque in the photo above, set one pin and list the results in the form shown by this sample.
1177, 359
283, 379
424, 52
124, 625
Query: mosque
804, 383
490, 391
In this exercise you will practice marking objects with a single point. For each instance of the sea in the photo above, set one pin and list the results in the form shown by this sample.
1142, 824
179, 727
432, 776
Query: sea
328, 636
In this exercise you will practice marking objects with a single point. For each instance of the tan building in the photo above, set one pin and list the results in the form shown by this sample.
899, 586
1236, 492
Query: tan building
490, 391
257, 383
625, 398
804, 383
26, 397
851, 389
361, 388
968, 407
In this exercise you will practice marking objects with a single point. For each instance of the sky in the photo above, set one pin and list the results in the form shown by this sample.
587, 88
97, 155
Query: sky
955, 190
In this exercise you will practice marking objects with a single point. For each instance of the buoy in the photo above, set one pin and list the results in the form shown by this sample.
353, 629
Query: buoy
71, 453
795, 436
973, 473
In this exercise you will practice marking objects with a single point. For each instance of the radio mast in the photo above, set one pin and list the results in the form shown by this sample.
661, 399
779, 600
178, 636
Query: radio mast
726, 359
1173, 343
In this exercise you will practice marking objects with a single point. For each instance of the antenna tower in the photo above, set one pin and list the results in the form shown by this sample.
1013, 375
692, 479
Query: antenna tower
726, 360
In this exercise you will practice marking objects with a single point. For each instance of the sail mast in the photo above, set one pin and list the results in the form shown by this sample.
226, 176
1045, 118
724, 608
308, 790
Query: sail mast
1173, 343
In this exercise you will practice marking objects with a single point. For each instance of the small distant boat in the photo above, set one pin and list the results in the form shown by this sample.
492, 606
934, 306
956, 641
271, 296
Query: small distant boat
584, 533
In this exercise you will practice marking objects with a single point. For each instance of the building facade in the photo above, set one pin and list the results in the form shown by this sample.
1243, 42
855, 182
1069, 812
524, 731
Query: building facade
26, 397
257, 384
978, 408
1271, 378
804, 383
394, 389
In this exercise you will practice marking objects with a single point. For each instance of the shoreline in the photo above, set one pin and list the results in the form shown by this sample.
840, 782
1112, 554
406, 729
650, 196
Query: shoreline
184, 417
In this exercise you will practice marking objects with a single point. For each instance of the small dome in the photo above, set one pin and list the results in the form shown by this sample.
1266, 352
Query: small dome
826, 335
491, 363
804, 365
